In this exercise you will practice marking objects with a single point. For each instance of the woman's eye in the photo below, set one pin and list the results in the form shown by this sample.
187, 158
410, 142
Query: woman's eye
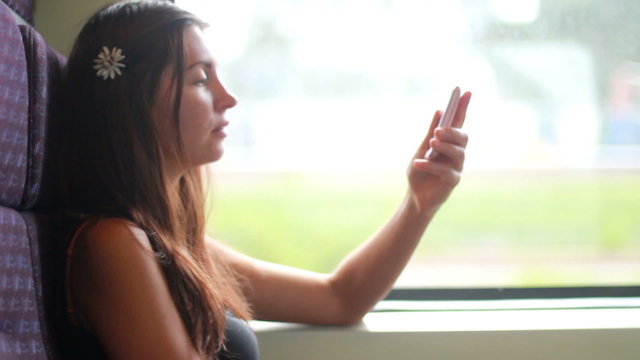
201, 79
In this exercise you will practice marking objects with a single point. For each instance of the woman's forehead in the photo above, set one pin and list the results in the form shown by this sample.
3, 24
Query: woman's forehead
196, 47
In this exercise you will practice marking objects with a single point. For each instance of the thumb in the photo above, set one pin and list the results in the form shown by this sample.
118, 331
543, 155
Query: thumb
424, 146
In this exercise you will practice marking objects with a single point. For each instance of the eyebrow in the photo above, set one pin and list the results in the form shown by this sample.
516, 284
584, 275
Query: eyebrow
207, 63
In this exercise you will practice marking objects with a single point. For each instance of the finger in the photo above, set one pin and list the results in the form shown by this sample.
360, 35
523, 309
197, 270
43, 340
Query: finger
446, 173
455, 153
452, 135
461, 112
424, 146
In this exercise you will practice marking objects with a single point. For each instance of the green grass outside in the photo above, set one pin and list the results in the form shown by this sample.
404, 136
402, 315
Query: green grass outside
312, 221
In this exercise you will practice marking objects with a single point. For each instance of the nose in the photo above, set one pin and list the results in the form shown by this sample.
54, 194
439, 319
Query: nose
223, 100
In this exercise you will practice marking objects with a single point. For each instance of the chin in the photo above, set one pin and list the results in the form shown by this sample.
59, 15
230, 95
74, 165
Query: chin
208, 156
216, 155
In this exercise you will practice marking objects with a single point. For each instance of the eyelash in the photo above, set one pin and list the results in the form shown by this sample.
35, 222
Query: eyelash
203, 78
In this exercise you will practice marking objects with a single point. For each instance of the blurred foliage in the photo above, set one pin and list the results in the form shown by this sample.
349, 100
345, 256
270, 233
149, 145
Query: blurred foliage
608, 29
312, 221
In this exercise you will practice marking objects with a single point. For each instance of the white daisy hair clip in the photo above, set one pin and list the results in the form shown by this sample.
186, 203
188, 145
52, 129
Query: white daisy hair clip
108, 63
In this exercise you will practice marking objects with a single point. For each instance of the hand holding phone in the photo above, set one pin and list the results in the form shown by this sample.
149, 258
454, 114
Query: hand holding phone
447, 118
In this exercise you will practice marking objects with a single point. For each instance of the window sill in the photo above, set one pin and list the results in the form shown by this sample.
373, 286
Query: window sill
501, 329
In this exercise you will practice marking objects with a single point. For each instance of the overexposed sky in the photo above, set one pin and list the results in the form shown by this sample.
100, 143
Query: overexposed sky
433, 43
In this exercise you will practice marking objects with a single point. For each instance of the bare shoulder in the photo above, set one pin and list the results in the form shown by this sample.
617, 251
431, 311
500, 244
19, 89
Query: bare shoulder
111, 253
119, 287
105, 256
113, 234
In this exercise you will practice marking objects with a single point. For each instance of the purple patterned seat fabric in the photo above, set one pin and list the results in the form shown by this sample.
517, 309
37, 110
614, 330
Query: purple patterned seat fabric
20, 333
24, 8
25, 237
14, 104
44, 69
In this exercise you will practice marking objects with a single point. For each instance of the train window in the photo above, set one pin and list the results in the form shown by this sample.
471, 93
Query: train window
334, 96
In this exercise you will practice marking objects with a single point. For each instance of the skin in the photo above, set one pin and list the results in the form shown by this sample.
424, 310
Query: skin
202, 112
119, 288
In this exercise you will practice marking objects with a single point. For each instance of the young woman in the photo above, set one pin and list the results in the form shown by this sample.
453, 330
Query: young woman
144, 111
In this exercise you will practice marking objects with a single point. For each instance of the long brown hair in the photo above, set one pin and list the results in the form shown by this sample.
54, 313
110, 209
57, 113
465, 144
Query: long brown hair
112, 163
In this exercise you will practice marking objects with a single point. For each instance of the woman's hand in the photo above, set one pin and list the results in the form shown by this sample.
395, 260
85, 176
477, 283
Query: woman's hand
431, 181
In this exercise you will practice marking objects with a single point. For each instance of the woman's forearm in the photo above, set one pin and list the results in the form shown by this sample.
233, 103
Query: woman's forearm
368, 273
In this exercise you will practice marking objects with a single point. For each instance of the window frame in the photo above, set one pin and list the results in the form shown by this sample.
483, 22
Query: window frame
512, 293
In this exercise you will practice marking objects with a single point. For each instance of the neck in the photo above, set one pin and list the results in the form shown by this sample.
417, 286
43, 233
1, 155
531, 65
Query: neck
174, 173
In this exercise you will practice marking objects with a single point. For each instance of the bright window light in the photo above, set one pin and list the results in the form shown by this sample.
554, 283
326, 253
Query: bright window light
334, 97
516, 12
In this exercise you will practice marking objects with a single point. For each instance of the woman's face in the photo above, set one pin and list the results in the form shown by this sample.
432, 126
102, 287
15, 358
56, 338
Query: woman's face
202, 108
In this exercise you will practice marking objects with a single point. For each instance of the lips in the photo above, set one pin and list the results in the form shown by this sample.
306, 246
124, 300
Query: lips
220, 127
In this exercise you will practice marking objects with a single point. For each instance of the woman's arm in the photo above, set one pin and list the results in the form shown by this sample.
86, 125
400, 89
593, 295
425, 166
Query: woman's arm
282, 293
366, 275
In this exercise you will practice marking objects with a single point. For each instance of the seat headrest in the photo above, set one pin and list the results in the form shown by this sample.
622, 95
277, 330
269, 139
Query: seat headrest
24, 8
44, 69
30, 74
13, 112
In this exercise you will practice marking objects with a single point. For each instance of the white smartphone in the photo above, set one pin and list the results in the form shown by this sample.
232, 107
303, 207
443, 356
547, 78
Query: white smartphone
447, 118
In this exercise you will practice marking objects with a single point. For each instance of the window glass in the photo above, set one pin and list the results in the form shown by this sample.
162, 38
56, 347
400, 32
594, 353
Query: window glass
334, 97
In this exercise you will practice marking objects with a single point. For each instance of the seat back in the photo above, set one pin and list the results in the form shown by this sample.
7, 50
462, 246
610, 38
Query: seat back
28, 73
